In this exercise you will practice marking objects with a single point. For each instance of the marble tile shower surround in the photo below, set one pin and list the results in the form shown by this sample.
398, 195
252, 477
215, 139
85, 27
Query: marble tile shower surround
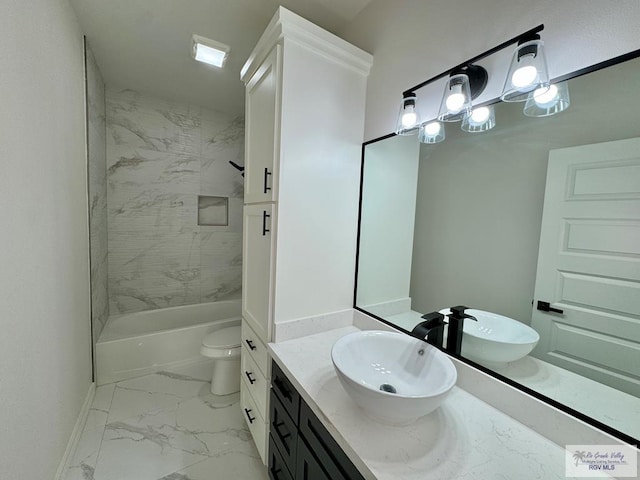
160, 157
164, 426
97, 167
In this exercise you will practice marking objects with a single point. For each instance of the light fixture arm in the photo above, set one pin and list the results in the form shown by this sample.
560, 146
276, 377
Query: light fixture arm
528, 35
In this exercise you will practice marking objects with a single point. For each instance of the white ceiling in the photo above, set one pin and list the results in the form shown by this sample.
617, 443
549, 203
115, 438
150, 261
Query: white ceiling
144, 45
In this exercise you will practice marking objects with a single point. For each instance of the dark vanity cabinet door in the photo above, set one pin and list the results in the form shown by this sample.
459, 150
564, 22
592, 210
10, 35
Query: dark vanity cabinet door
283, 432
308, 467
300, 448
278, 469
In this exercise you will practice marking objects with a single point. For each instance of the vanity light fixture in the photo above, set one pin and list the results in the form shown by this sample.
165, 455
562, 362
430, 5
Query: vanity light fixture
528, 71
209, 51
463, 85
432, 132
554, 100
408, 117
480, 119
528, 77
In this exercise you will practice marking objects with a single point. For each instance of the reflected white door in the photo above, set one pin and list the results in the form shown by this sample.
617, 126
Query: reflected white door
589, 263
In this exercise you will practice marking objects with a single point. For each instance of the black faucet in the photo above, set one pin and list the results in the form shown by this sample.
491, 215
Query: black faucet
456, 325
431, 329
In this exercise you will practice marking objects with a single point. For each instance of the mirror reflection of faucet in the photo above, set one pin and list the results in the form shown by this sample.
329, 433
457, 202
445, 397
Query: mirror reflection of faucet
432, 328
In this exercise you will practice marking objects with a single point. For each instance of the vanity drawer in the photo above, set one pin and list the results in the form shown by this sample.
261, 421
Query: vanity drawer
283, 432
285, 391
277, 468
256, 348
255, 382
255, 422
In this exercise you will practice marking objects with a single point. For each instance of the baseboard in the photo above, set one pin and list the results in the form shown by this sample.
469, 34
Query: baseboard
75, 434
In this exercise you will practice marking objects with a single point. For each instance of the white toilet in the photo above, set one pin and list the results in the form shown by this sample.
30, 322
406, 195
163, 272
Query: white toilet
224, 347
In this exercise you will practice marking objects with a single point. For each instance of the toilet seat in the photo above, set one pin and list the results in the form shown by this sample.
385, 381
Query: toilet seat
223, 343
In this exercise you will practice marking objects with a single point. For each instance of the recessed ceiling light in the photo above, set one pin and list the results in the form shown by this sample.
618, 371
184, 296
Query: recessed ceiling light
209, 51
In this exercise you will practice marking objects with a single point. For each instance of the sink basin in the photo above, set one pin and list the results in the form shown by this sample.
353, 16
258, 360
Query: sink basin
393, 377
495, 339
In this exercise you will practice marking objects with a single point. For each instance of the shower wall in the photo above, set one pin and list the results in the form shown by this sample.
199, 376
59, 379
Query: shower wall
97, 185
174, 203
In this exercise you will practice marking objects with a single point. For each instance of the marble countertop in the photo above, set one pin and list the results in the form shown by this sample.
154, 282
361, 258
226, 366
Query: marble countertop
464, 439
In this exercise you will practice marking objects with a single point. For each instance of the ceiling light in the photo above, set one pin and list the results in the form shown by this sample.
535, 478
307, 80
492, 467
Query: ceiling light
209, 51
543, 104
408, 117
527, 72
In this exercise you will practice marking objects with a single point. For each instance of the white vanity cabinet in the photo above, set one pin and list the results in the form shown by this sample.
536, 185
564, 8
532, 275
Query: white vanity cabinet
305, 103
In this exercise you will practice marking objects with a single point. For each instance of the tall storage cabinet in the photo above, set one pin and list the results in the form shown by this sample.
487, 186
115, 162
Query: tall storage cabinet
305, 103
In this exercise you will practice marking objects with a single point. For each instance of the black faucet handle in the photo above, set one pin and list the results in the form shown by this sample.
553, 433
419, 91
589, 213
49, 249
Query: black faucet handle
433, 319
458, 313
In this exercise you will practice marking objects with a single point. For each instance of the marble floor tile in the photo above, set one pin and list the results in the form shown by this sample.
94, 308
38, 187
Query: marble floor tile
231, 464
164, 426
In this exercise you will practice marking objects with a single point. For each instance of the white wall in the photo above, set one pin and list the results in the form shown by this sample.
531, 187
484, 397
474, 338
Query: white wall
413, 40
45, 360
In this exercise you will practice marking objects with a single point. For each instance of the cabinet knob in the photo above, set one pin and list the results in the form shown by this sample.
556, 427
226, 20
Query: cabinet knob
250, 344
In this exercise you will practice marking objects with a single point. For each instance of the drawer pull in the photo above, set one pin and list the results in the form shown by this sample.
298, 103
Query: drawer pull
251, 345
276, 473
265, 230
282, 387
251, 380
266, 177
248, 411
276, 428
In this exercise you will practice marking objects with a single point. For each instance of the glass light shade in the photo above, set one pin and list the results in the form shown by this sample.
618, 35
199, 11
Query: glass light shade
554, 100
527, 73
456, 99
480, 119
408, 117
432, 132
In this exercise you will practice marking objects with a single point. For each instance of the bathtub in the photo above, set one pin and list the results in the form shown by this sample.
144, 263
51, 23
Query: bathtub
140, 343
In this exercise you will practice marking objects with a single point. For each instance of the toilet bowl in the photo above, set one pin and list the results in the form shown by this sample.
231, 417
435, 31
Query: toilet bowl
223, 346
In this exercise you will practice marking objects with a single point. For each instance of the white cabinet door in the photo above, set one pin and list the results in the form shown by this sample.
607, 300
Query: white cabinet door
589, 263
262, 131
257, 267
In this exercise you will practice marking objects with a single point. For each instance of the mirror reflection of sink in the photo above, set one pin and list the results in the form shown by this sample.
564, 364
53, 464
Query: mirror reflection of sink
393, 377
495, 339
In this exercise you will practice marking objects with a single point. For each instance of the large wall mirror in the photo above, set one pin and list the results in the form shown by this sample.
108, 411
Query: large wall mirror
536, 209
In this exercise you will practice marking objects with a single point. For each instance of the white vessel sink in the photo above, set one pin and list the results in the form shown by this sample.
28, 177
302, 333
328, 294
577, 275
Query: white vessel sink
393, 377
495, 339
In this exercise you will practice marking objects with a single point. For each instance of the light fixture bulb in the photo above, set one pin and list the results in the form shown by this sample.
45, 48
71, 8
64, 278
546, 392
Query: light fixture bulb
546, 98
524, 76
432, 128
480, 114
431, 132
409, 117
455, 102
